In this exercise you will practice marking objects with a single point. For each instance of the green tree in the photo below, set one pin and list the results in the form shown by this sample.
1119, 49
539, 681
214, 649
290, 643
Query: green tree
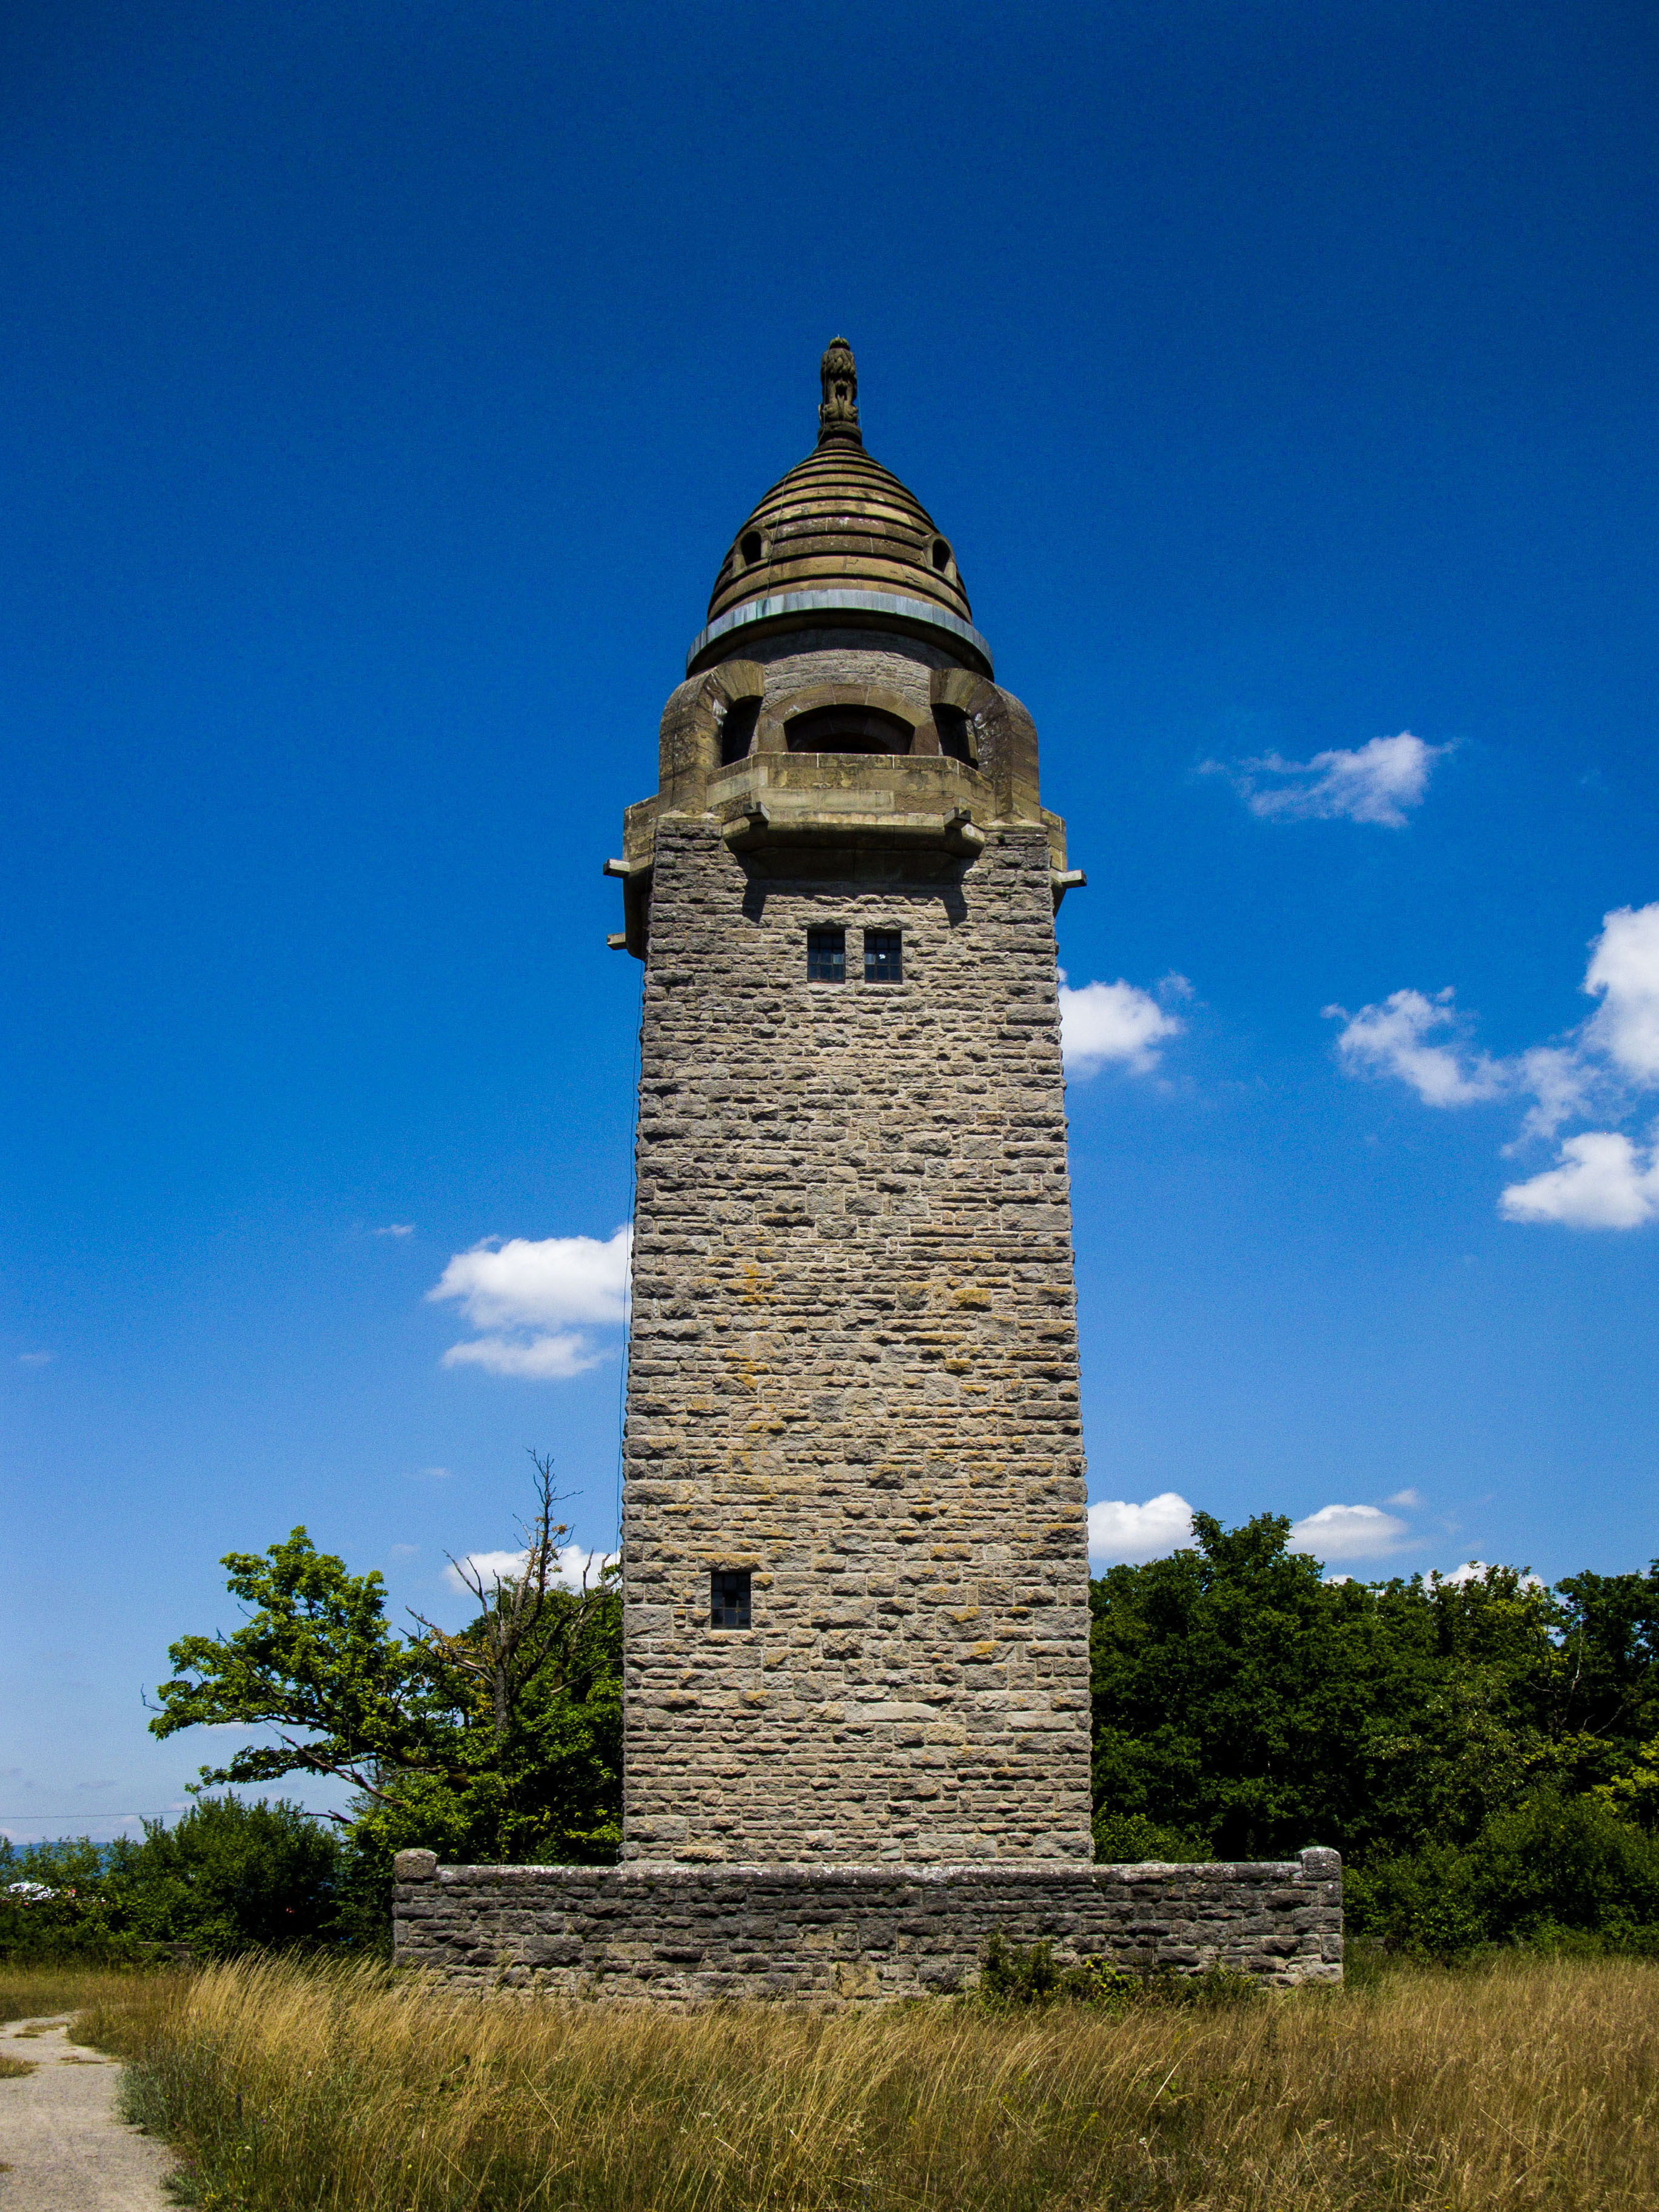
231, 1876
1241, 1697
228, 1877
1549, 1867
1230, 1686
502, 1741
1484, 1752
318, 1663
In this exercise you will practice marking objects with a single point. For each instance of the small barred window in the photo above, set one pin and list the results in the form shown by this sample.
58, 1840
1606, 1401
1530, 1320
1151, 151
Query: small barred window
884, 960
826, 956
728, 1597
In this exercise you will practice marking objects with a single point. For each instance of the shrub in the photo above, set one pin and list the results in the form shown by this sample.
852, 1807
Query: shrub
1125, 1838
228, 1877
1557, 1872
1013, 1978
232, 1877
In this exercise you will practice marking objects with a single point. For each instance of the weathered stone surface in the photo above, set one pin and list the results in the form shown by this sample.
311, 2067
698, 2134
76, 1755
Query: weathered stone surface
852, 1935
853, 1370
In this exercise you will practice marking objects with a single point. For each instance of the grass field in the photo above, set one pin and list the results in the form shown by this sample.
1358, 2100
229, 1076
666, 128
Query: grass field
27, 1992
1527, 2082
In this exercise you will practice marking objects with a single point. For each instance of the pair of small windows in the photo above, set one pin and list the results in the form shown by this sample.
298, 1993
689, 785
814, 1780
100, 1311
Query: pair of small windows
826, 956
728, 1597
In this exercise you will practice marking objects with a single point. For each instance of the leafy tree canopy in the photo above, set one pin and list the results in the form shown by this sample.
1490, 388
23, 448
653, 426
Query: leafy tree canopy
1434, 1732
228, 1877
500, 1742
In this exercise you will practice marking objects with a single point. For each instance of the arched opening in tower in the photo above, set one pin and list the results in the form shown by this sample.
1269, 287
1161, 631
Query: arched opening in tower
848, 730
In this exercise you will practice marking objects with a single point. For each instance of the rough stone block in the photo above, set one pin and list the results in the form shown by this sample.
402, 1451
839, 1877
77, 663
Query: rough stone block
853, 1934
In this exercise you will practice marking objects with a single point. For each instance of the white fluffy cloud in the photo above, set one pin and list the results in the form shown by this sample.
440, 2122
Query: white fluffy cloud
1350, 1532
1377, 782
519, 1283
1124, 1534
1115, 1025
1603, 1183
571, 1563
516, 1293
1601, 1179
548, 1358
1624, 973
1420, 1041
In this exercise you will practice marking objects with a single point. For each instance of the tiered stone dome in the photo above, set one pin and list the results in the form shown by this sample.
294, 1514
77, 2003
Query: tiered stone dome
839, 539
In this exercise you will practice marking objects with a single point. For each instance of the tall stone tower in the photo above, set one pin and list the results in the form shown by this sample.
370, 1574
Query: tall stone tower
854, 1549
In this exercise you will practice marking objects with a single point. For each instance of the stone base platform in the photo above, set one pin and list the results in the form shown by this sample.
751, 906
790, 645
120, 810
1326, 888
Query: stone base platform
831, 1935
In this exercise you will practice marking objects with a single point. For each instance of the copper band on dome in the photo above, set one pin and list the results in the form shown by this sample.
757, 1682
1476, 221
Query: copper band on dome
887, 606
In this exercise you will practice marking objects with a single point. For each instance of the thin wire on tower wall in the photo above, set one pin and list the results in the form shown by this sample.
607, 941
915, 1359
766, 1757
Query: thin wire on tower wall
628, 1328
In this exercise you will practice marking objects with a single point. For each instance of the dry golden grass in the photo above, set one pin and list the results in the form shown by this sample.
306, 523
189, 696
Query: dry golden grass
38, 1989
1531, 2083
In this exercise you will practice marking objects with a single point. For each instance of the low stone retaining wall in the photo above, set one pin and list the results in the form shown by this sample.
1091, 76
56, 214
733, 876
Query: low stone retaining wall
844, 1934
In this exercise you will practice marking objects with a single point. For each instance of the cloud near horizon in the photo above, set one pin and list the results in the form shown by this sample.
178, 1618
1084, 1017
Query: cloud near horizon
1123, 1535
1473, 1571
1602, 1178
1117, 1024
1349, 1532
520, 1294
1378, 782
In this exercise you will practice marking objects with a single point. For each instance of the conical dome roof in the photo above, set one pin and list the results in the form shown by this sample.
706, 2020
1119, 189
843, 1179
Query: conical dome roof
839, 540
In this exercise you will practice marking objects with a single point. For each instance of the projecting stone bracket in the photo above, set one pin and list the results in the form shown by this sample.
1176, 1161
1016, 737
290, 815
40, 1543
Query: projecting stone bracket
635, 877
1062, 880
754, 826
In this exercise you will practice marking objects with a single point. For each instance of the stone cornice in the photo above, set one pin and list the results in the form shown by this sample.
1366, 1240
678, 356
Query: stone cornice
881, 607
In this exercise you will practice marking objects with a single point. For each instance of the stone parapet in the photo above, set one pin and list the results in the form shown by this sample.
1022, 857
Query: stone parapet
832, 1936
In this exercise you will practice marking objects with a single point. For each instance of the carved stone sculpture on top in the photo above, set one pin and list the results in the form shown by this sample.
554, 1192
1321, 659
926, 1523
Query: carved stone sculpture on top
838, 417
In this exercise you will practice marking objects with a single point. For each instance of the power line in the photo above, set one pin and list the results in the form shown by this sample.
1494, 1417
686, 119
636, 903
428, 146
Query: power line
633, 1192
99, 1819
82, 1814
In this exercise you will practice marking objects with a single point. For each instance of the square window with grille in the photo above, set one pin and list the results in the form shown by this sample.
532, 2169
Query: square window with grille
826, 956
884, 956
728, 1597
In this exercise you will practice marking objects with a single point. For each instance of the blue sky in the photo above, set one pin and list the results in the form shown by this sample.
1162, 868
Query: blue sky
380, 389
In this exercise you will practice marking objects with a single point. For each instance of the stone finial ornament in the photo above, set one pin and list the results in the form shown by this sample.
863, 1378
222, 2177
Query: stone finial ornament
838, 417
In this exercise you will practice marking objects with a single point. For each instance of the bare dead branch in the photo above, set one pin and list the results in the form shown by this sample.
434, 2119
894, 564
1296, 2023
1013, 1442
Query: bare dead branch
520, 1627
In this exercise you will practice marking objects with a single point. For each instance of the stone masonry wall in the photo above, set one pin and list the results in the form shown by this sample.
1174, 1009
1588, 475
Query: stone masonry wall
838, 1934
853, 1371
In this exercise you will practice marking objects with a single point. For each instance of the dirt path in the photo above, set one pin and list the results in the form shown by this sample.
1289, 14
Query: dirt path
62, 2148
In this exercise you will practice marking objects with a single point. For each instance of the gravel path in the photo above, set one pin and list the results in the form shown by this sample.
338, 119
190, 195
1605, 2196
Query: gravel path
62, 2148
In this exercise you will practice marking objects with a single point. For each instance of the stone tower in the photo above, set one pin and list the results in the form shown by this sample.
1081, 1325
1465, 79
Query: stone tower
854, 1548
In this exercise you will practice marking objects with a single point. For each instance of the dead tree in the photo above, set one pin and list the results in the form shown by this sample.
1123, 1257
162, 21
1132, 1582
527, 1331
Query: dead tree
528, 1622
